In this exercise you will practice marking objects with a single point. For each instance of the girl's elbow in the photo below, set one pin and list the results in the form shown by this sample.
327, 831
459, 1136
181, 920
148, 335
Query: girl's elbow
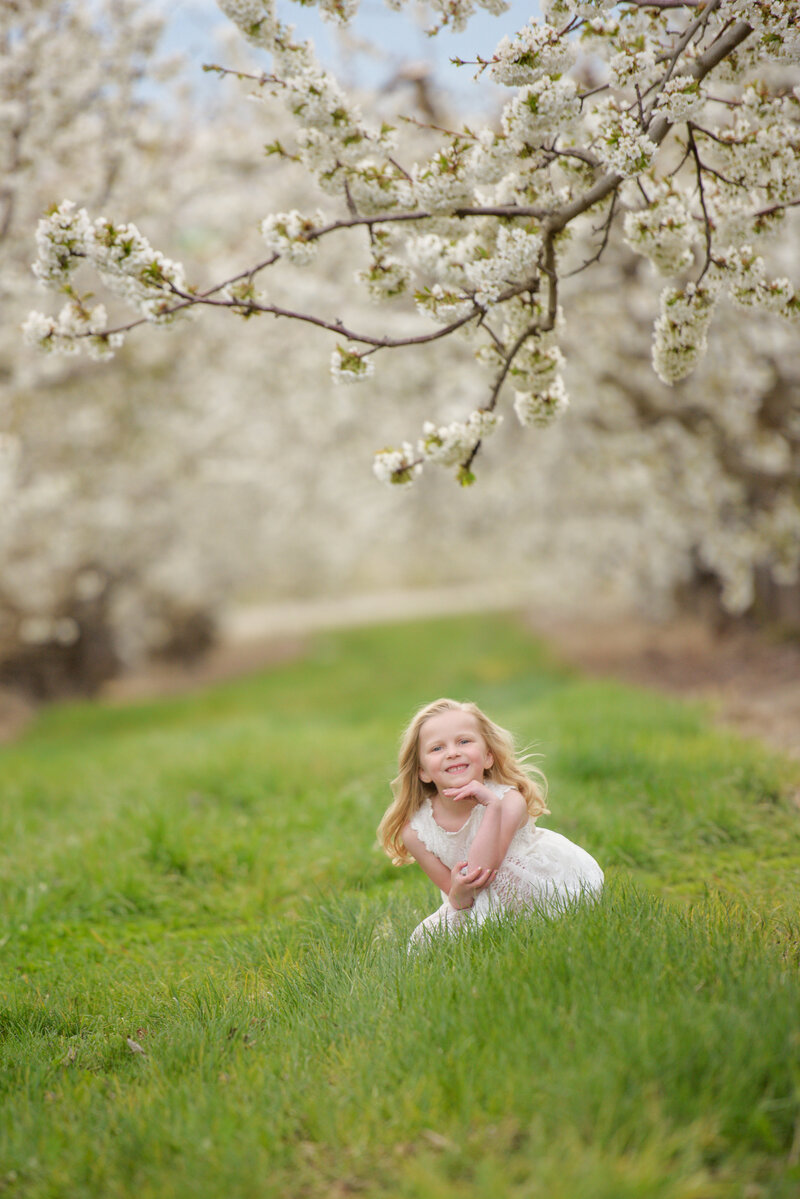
514, 810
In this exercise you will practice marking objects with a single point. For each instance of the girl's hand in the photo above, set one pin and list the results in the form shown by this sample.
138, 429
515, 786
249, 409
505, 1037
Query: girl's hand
465, 884
473, 790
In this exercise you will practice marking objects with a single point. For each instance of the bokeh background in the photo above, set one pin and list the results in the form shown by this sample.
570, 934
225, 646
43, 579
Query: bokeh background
212, 482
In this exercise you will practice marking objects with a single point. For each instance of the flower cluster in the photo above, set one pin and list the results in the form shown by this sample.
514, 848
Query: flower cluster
124, 260
377, 187
760, 147
680, 99
333, 140
630, 64
64, 334
541, 408
537, 365
287, 234
743, 272
350, 365
255, 18
444, 307
444, 183
385, 278
396, 466
61, 240
445, 445
564, 12
621, 144
493, 156
450, 445
776, 24
535, 51
445, 258
515, 257
456, 13
133, 270
541, 110
664, 232
680, 335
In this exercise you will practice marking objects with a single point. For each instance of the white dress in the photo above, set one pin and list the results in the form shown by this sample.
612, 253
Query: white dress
541, 869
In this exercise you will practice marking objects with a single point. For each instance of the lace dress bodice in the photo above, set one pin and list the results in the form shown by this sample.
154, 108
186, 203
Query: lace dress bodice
540, 866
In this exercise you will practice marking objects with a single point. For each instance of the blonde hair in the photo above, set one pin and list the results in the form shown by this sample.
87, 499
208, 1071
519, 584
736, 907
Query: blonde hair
509, 766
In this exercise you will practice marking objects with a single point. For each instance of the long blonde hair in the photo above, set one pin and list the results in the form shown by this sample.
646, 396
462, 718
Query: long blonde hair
509, 766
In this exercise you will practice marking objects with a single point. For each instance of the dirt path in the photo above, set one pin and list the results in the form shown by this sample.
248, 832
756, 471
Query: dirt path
753, 683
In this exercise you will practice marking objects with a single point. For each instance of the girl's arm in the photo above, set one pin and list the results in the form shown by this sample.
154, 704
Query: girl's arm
459, 888
433, 866
501, 820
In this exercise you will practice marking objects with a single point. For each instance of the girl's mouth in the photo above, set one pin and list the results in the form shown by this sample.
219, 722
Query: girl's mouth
456, 769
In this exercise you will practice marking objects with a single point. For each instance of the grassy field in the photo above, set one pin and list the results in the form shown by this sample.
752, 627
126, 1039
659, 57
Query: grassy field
198, 878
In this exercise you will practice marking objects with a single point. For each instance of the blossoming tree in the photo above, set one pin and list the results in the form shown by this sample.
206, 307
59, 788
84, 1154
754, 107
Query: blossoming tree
674, 123
118, 481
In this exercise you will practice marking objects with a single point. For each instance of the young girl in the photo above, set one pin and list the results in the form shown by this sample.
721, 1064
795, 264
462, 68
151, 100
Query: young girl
465, 808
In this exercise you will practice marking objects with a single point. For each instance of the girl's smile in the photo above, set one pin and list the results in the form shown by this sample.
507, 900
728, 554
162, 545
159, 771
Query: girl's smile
452, 750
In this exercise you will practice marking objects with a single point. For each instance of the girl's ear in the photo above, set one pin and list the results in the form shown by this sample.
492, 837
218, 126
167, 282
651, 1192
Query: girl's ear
489, 760
423, 777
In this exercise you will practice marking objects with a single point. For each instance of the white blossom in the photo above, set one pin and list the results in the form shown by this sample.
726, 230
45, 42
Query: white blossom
664, 233
535, 51
680, 335
515, 256
449, 445
397, 466
681, 98
443, 306
286, 233
386, 278
631, 64
349, 365
543, 407
541, 110
443, 184
621, 143
61, 240
255, 18
537, 365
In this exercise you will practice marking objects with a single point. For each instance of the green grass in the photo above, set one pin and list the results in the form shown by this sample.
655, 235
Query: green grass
200, 875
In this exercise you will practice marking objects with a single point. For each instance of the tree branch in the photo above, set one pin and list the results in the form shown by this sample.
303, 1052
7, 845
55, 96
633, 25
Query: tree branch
702, 65
684, 41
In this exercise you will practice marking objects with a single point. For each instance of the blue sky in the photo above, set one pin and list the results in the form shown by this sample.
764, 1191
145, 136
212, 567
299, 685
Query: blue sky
397, 38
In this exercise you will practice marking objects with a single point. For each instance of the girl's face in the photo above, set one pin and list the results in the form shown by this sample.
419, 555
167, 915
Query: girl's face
452, 750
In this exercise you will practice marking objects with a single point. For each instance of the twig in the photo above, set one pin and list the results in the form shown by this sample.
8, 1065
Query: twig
602, 87
437, 128
665, 3
706, 219
606, 226
776, 208
527, 332
400, 168
261, 79
722, 141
